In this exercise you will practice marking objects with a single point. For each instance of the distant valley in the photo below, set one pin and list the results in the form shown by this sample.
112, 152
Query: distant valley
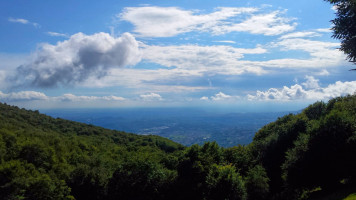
183, 125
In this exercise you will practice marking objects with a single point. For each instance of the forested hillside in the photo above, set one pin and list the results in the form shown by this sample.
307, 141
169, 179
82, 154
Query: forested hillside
310, 155
46, 158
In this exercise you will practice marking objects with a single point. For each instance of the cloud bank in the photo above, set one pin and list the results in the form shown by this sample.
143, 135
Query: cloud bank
74, 98
78, 58
23, 96
34, 95
309, 90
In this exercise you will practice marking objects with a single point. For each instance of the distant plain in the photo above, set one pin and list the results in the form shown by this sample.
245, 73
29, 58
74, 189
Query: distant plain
183, 125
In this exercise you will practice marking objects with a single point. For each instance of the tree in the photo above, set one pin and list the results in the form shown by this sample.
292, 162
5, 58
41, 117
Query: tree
345, 26
21, 180
194, 167
140, 180
326, 156
240, 157
257, 183
223, 182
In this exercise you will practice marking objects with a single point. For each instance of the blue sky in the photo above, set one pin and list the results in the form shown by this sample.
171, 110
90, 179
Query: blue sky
243, 55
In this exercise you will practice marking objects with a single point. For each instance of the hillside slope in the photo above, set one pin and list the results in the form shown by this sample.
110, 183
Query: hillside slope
46, 158
312, 152
310, 155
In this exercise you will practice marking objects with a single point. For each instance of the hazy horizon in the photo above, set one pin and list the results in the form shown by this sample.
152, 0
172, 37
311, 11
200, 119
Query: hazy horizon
186, 126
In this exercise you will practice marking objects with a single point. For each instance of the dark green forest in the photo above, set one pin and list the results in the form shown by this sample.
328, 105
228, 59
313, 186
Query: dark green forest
310, 155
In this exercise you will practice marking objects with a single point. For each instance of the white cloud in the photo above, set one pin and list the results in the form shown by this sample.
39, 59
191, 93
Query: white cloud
310, 91
300, 35
143, 80
171, 21
184, 61
312, 46
23, 96
322, 54
187, 61
294, 92
323, 72
324, 30
34, 95
151, 97
55, 34
19, 20
204, 98
311, 83
194, 60
198, 60
23, 21
72, 97
226, 41
266, 24
78, 58
337, 89
220, 96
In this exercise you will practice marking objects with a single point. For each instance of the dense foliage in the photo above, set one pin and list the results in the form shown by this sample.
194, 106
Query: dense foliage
46, 158
312, 151
296, 157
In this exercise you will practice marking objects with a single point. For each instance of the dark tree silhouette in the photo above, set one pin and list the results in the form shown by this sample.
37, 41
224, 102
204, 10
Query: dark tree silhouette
345, 27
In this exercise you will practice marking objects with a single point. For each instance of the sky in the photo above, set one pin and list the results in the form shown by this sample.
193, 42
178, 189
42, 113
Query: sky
243, 55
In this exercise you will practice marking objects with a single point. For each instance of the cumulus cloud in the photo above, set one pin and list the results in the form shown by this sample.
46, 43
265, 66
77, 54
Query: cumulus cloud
294, 92
23, 21
220, 97
311, 83
151, 97
310, 91
78, 58
171, 21
23, 96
